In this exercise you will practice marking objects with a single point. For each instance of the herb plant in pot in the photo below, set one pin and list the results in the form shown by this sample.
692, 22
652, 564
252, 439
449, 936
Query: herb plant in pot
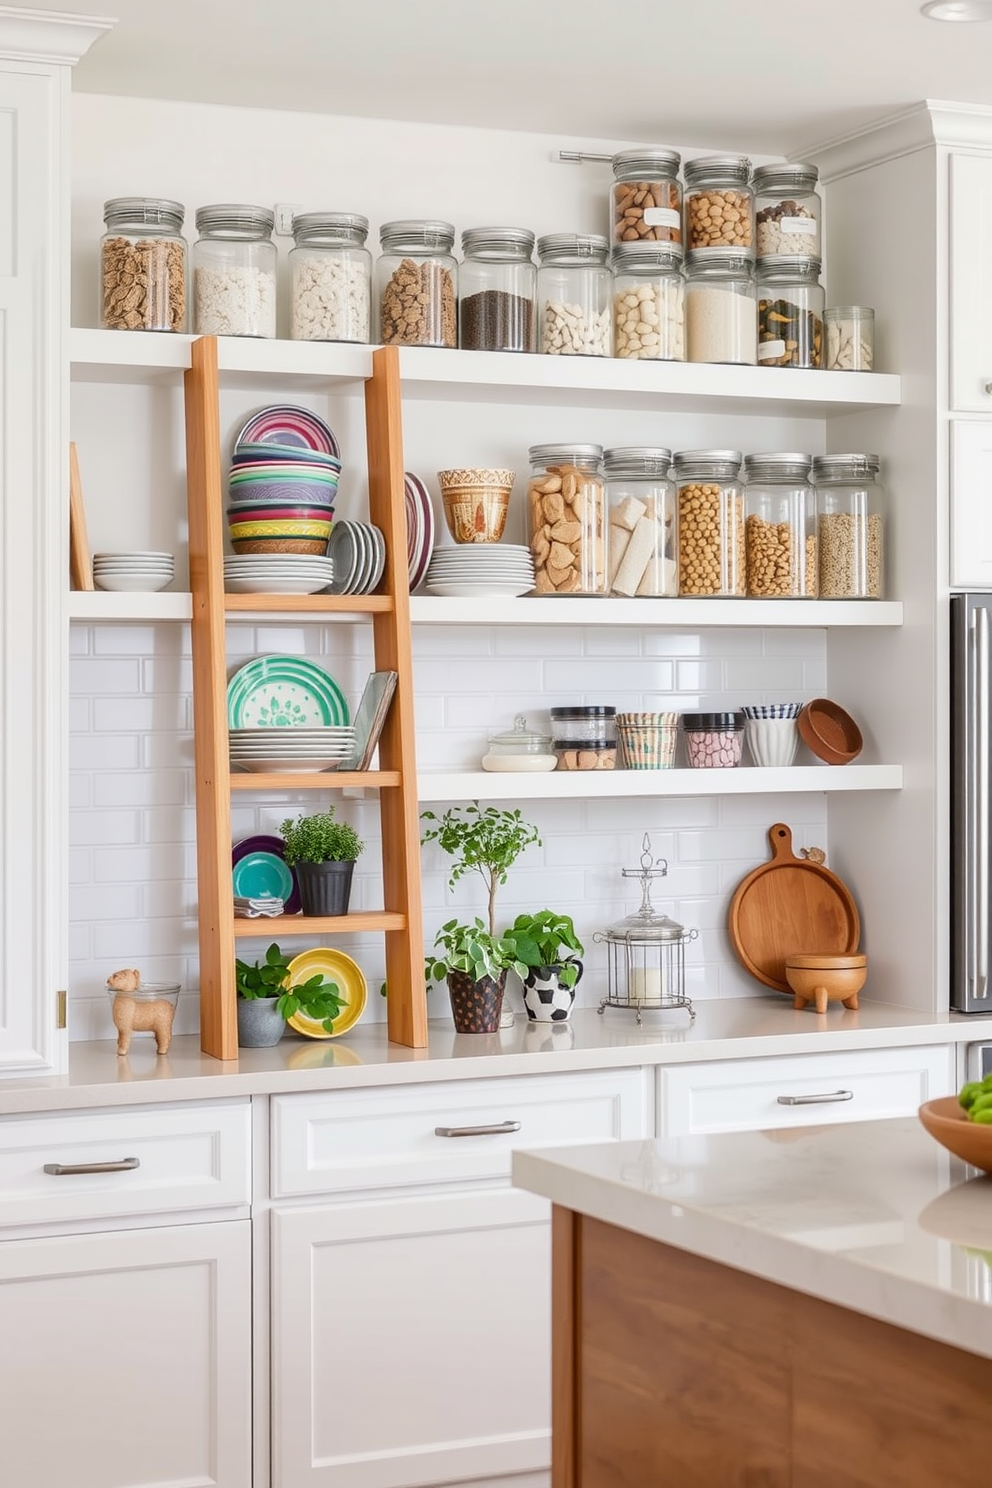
265, 1002
547, 945
323, 851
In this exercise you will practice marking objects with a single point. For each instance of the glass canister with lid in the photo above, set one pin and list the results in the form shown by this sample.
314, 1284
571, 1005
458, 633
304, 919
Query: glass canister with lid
520, 750
710, 523
585, 736
780, 527
574, 290
234, 271
646, 196
790, 312
417, 284
641, 541
720, 308
566, 500
719, 203
648, 302
497, 290
850, 508
330, 272
143, 265
787, 211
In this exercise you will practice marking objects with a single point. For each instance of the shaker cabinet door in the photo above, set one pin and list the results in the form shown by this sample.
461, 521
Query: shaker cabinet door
971, 283
971, 503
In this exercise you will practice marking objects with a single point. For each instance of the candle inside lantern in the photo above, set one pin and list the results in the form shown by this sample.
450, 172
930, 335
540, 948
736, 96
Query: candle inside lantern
647, 985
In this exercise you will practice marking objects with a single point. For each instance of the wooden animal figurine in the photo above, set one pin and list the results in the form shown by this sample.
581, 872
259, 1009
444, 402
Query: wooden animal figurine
132, 1015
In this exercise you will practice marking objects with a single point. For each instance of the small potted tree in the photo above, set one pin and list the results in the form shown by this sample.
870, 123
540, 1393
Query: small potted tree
265, 1001
323, 851
547, 945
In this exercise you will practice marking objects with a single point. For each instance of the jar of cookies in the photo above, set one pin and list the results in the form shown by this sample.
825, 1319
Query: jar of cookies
143, 265
566, 500
416, 284
710, 523
719, 203
646, 197
780, 527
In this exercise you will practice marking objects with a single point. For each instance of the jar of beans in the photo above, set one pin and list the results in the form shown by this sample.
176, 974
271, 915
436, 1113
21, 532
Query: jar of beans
641, 542
330, 272
710, 523
416, 284
720, 308
850, 508
567, 506
780, 527
786, 211
719, 203
143, 265
713, 740
648, 302
646, 196
790, 312
497, 290
234, 272
574, 291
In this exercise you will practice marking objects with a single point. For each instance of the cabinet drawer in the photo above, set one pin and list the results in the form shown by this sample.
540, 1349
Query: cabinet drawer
377, 1138
179, 1158
750, 1094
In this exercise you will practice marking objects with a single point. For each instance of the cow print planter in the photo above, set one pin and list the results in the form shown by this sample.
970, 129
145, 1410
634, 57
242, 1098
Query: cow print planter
545, 999
476, 1006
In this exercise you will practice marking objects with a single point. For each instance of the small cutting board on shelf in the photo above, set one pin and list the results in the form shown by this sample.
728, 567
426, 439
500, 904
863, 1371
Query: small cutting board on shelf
80, 558
790, 906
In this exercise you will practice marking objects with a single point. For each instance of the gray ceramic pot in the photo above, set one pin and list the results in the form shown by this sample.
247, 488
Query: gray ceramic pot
260, 1023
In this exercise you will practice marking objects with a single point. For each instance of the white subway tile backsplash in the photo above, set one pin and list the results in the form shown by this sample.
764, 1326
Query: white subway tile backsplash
97, 828
96, 677
139, 788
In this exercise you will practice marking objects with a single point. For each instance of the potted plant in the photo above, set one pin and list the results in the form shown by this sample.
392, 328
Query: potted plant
323, 851
547, 945
265, 1002
474, 964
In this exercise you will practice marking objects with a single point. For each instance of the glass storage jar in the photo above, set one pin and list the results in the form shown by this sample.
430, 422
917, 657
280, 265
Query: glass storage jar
646, 196
417, 284
567, 519
720, 309
648, 302
330, 271
234, 271
850, 512
519, 749
713, 740
143, 265
780, 527
786, 210
850, 338
585, 737
719, 203
641, 541
497, 290
574, 290
710, 522
790, 313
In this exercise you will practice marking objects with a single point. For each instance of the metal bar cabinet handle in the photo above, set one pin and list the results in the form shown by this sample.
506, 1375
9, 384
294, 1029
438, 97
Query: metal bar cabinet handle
816, 1100
66, 1170
494, 1129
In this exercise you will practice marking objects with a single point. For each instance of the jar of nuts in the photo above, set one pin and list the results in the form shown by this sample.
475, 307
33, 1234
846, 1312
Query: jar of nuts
574, 293
641, 541
710, 523
330, 270
720, 309
568, 519
780, 527
646, 196
786, 210
416, 284
850, 509
719, 203
648, 302
497, 290
143, 265
790, 312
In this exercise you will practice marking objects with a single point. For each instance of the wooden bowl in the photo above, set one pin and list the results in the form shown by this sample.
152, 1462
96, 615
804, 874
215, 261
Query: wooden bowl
821, 979
829, 732
947, 1123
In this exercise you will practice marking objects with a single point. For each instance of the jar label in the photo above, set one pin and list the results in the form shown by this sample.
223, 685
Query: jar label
661, 217
798, 225
769, 349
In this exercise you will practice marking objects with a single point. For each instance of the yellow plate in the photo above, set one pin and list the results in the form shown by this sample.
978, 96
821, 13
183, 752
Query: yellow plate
290, 527
334, 966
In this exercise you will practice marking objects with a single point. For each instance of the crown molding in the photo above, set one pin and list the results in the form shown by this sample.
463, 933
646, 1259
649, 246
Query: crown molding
921, 127
48, 36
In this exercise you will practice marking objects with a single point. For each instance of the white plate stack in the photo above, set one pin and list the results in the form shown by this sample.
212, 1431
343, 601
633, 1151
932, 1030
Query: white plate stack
291, 751
133, 572
465, 570
276, 573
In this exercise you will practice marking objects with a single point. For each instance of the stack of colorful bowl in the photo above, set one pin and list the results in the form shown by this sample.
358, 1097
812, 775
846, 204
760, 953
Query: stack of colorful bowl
281, 498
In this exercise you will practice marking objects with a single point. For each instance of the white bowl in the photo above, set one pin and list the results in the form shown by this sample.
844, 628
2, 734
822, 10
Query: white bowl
132, 583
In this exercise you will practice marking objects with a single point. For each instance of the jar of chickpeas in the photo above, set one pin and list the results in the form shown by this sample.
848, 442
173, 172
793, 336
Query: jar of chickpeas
710, 523
719, 203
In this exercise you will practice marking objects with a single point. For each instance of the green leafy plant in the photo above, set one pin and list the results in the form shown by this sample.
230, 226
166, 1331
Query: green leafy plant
472, 949
315, 998
264, 978
487, 842
545, 939
320, 839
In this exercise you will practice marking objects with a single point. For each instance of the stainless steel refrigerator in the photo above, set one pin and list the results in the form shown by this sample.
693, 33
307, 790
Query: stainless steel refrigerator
971, 810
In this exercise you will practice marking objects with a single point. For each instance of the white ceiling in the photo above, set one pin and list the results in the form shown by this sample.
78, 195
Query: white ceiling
773, 72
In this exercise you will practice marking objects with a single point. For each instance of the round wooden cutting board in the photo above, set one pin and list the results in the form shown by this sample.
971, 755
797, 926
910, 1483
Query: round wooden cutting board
790, 906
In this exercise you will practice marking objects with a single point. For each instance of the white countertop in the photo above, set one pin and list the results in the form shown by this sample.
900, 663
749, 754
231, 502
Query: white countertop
873, 1216
738, 1028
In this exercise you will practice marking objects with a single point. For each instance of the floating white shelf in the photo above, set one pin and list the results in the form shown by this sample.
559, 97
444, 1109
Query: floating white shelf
91, 605
148, 356
571, 785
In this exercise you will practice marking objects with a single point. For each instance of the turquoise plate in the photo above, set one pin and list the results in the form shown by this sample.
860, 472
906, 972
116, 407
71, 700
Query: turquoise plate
284, 692
261, 875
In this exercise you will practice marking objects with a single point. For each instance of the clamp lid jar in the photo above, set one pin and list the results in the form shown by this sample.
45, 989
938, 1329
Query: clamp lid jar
567, 519
780, 527
416, 284
574, 292
787, 210
851, 517
330, 272
646, 196
721, 320
710, 523
143, 265
719, 203
497, 290
648, 302
790, 312
234, 271
641, 541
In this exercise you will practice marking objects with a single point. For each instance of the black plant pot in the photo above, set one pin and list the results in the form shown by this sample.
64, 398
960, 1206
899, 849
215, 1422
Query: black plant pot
325, 888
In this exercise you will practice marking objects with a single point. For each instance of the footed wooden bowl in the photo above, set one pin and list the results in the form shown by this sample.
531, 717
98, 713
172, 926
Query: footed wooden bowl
947, 1123
821, 979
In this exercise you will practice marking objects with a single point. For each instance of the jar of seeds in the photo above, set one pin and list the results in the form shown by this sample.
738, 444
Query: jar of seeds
790, 312
497, 290
646, 197
787, 211
234, 272
850, 505
780, 527
416, 284
648, 302
574, 291
330, 271
143, 265
710, 523
567, 504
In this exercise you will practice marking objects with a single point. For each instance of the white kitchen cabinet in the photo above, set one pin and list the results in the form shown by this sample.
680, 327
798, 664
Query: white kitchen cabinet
971, 503
971, 282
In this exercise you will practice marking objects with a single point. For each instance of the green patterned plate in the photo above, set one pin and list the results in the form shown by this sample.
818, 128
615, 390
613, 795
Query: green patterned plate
284, 692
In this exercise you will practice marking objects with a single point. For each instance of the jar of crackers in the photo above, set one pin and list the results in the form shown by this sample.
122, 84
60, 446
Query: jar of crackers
143, 265
566, 499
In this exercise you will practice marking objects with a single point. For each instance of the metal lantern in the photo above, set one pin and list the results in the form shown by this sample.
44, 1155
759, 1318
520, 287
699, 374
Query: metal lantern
646, 950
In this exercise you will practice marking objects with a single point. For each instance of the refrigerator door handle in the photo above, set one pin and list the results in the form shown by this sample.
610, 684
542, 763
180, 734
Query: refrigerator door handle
978, 827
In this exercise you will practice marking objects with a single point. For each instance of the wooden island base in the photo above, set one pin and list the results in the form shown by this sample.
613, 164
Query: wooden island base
674, 1372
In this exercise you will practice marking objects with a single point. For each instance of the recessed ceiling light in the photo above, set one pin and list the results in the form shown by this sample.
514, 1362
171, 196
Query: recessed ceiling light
958, 10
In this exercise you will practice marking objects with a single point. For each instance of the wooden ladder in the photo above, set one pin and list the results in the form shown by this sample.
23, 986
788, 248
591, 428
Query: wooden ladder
400, 919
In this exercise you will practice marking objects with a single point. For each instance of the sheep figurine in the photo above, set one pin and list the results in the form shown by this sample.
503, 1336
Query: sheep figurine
134, 1015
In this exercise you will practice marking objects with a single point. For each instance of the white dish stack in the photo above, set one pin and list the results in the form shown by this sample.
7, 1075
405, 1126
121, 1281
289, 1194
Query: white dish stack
133, 572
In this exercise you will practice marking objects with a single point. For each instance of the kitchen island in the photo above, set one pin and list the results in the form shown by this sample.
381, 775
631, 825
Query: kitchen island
808, 1307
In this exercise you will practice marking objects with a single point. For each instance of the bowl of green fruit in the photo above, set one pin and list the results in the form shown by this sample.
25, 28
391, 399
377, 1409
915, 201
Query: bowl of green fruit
963, 1123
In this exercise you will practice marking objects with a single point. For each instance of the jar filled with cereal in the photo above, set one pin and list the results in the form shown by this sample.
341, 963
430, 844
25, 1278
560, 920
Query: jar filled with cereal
417, 284
641, 541
566, 499
790, 312
710, 523
330, 272
648, 302
850, 508
646, 196
574, 293
780, 527
234, 272
143, 265
786, 211
719, 203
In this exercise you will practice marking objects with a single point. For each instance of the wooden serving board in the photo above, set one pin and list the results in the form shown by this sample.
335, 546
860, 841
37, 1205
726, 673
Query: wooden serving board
790, 906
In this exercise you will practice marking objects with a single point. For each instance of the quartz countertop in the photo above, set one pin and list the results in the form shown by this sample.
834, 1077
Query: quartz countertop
872, 1216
